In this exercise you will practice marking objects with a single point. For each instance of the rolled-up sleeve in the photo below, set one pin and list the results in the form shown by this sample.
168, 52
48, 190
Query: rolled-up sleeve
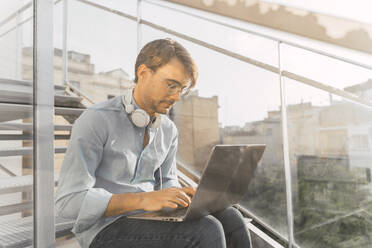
76, 197
169, 166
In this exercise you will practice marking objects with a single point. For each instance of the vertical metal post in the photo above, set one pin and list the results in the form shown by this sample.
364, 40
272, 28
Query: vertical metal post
19, 46
43, 112
139, 27
287, 166
64, 43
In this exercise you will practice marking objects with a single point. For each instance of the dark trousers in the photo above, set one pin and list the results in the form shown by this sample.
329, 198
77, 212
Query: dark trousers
220, 230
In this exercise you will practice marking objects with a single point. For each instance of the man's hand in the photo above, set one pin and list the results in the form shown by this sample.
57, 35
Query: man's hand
149, 201
171, 198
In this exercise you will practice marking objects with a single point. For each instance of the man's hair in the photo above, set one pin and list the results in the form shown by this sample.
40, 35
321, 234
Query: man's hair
159, 52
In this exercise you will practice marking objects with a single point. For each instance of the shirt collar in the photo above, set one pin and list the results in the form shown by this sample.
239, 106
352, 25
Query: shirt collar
134, 103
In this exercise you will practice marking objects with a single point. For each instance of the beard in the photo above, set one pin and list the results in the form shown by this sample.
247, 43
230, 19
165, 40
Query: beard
163, 107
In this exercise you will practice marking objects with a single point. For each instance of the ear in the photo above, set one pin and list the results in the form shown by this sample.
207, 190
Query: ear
142, 72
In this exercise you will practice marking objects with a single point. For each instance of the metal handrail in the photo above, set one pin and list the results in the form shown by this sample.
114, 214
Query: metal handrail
7, 171
287, 42
15, 13
25, 7
302, 79
269, 37
313, 83
114, 11
16, 26
79, 93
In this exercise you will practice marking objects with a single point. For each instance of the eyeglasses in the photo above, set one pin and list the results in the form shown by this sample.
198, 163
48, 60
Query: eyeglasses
175, 88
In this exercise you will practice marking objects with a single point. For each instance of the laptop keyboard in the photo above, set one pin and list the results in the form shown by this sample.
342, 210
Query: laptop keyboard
172, 213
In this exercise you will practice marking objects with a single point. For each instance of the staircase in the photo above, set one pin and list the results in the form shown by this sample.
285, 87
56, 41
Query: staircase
16, 104
16, 141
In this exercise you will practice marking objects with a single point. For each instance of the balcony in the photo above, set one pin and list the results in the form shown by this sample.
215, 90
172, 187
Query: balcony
306, 95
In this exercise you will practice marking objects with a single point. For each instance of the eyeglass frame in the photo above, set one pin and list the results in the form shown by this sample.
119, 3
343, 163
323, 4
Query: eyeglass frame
174, 87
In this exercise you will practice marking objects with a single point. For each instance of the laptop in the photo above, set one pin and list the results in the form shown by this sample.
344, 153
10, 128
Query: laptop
224, 182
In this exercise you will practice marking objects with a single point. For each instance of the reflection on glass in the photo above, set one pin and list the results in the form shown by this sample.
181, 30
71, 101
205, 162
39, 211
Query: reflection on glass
100, 62
319, 67
331, 166
16, 137
229, 108
95, 73
197, 122
236, 41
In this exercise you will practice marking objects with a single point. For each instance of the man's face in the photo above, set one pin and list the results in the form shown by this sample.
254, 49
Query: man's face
165, 85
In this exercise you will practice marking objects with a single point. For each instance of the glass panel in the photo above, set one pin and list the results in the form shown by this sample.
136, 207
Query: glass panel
233, 103
330, 156
101, 57
327, 70
128, 6
358, 10
16, 161
244, 44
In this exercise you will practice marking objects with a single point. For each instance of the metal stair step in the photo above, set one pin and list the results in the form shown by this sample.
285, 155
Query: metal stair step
68, 101
30, 136
19, 232
26, 98
68, 111
15, 91
27, 83
11, 111
29, 127
22, 85
19, 183
15, 208
7, 152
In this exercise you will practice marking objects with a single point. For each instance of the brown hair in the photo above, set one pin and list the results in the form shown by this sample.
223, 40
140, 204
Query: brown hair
159, 52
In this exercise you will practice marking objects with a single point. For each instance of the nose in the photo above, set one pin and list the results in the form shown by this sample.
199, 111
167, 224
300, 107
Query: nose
176, 96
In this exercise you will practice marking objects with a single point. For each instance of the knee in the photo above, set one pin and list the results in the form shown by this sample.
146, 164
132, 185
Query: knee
231, 218
212, 226
233, 213
211, 232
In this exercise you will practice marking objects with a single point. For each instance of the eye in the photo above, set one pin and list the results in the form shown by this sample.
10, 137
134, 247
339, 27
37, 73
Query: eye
172, 86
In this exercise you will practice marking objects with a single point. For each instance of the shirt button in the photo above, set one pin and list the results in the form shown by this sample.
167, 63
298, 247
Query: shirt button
140, 134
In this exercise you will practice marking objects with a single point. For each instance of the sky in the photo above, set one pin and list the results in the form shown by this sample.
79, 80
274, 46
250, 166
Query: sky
245, 92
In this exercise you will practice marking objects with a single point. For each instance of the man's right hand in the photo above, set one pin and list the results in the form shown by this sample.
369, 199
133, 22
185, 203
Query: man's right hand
171, 198
149, 201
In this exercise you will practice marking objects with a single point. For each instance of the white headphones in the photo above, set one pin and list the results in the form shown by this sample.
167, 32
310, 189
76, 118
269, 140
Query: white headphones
139, 117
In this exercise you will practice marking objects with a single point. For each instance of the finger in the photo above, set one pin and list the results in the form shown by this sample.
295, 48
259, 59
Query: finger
170, 205
172, 190
177, 192
182, 195
179, 201
189, 190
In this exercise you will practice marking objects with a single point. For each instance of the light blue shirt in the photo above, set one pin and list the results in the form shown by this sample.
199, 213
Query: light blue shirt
105, 156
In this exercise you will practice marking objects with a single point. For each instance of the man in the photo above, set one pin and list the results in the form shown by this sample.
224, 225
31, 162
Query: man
123, 149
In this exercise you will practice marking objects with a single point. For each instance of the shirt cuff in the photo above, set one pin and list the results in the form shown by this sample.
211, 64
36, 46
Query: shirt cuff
92, 209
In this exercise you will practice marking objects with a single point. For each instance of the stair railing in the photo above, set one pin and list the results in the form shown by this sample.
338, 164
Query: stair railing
78, 92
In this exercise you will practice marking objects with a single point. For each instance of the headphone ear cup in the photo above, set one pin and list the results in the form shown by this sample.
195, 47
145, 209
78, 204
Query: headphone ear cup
140, 118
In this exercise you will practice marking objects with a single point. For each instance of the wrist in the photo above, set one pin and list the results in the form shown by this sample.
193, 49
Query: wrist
141, 200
